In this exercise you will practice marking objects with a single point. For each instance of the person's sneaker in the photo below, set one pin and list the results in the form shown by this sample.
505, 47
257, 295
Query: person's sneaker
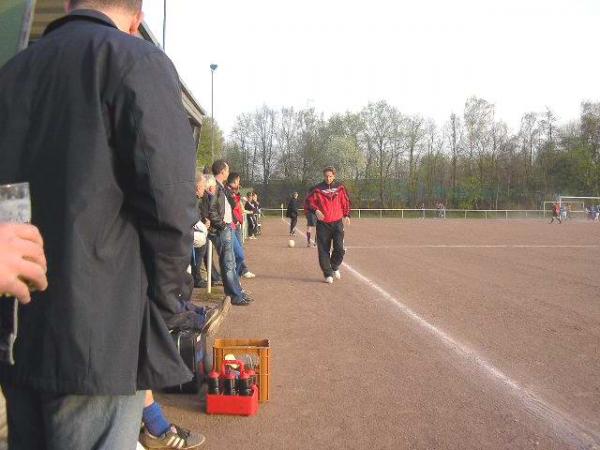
217, 283
240, 302
314, 244
248, 298
249, 275
215, 316
200, 284
329, 280
176, 437
337, 274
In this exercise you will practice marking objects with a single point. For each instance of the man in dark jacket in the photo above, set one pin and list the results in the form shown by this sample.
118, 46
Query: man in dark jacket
330, 203
92, 118
221, 218
292, 213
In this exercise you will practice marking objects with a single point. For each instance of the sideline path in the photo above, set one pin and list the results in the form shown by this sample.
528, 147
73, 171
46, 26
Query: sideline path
350, 371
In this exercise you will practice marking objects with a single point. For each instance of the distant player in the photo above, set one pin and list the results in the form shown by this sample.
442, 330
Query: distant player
555, 212
311, 223
330, 203
292, 213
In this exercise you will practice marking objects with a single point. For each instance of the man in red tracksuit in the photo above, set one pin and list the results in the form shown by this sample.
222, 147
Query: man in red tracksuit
330, 203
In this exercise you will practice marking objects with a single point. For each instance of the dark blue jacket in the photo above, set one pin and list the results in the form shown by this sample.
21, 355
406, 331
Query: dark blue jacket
93, 119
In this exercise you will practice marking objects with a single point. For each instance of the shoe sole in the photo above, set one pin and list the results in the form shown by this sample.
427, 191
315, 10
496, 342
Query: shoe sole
215, 323
149, 446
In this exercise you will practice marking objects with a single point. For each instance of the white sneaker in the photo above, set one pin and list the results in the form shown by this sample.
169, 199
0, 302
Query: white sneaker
249, 275
337, 274
329, 280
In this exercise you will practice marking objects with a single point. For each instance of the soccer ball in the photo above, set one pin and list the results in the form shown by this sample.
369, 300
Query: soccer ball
291, 243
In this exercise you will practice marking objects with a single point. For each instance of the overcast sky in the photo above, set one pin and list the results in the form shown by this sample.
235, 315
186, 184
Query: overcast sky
425, 56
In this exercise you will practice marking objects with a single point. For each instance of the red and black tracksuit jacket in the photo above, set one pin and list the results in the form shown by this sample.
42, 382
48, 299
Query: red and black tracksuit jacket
331, 199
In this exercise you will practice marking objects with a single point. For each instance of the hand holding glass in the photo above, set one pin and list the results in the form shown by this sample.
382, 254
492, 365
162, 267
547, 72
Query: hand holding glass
22, 262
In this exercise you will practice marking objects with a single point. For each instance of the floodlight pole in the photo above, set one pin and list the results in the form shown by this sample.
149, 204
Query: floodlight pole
164, 42
213, 67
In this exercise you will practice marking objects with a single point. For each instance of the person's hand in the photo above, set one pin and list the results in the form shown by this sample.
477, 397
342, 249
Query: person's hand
347, 220
22, 261
319, 215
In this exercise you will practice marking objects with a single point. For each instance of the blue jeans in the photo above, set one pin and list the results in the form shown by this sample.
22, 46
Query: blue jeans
39, 421
224, 242
238, 251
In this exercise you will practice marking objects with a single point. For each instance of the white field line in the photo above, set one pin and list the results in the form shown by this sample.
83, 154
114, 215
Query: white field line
380, 247
567, 427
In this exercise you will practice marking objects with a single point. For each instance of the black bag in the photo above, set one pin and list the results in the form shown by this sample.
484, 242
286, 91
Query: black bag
190, 345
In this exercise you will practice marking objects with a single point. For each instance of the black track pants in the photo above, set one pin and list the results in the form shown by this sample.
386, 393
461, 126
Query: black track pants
293, 223
328, 233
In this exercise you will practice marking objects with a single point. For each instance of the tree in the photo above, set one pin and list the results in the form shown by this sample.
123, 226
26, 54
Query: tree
479, 120
242, 145
414, 132
382, 134
287, 137
263, 129
203, 156
388, 158
529, 136
454, 136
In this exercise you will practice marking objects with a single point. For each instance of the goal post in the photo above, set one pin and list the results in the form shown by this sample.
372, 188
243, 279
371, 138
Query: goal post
583, 201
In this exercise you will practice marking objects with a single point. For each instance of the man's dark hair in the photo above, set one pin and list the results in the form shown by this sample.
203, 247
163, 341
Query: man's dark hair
218, 166
232, 177
329, 169
130, 5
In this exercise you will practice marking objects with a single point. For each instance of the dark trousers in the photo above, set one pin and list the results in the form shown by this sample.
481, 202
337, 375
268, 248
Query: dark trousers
38, 421
328, 234
251, 225
200, 256
293, 223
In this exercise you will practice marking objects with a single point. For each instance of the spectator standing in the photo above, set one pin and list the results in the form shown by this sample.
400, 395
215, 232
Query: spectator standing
200, 251
221, 218
249, 207
233, 184
257, 213
330, 203
292, 213
92, 118
211, 190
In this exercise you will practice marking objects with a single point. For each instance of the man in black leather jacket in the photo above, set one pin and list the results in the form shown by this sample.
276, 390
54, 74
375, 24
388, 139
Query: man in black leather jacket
220, 214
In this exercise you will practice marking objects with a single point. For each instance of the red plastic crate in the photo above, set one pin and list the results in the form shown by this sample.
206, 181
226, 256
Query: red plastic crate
235, 405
